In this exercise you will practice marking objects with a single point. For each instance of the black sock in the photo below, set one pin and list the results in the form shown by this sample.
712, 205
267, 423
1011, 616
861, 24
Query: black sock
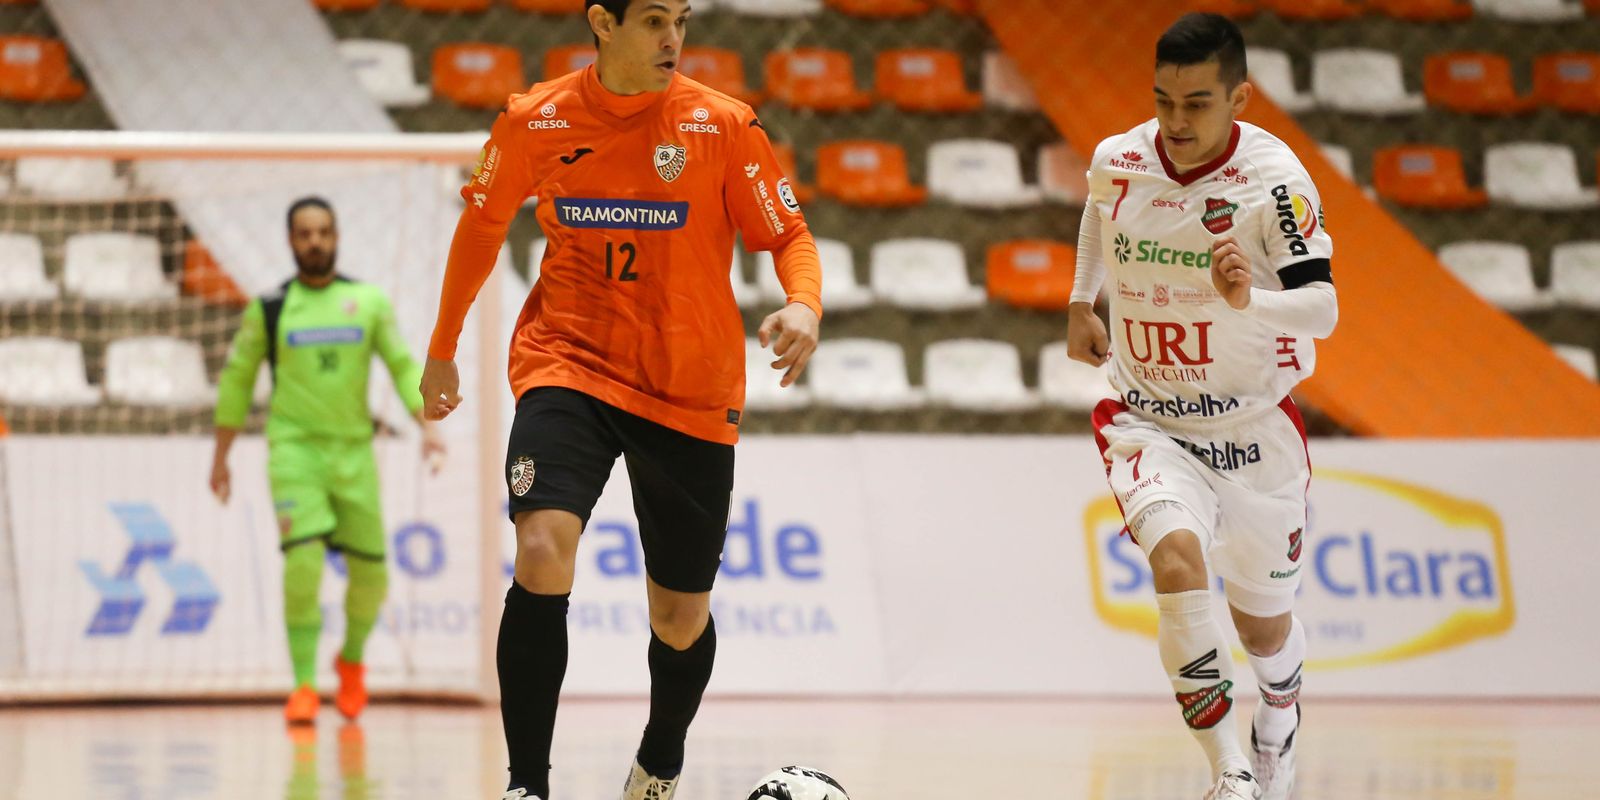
677, 682
532, 661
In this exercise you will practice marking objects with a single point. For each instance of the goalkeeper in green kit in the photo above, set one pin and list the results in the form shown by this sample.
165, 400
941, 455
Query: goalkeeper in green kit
318, 333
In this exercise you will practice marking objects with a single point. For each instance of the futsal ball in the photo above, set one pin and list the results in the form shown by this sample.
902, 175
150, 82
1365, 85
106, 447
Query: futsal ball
799, 783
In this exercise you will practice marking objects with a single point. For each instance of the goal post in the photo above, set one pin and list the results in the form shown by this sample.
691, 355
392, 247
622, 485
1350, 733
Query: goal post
125, 261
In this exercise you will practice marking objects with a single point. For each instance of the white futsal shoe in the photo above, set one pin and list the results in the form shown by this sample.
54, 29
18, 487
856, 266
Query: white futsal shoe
518, 794
642, 785
1275, 764
1239, 785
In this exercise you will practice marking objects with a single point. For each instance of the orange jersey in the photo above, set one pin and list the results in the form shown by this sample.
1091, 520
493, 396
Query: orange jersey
639, 198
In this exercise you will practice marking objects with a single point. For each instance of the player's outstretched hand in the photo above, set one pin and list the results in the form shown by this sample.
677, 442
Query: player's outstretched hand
441, 389
1230, 271
1087, 340
792, 334
221, 481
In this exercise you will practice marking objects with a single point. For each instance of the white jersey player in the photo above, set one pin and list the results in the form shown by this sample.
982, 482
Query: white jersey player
1208, 236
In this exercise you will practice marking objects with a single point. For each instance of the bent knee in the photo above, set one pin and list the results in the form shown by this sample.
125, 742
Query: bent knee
679, 625
1263, 640
1177, 564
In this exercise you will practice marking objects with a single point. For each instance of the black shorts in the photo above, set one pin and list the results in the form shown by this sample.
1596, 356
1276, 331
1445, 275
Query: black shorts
563, 446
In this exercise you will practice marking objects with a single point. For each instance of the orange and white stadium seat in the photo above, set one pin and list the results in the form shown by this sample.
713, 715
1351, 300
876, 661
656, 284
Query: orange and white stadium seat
1568, 81
1532, 10
477, 75
22, 275
448, 6
814, 78
923, 275
117, 267
881, 8
1362, 81
721, 69
157, 371
1472, 83
1575, 274
385, 71
1315, 10
1424, 176
1031, 273
1423, 10
1273, 73
1070, 384
925, 79
979, 172
976, 375
862, 374
567, 58
1540, 175
783, 9
867, 173
204, 278
35, 69
1499, 272
44, 371
549, 6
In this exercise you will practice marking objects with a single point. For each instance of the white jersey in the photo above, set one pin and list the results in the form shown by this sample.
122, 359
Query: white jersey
1181, 355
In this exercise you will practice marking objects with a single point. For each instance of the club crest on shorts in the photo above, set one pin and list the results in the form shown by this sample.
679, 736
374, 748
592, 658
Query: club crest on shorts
1218, 216
670, 159
521, 476
1296, 540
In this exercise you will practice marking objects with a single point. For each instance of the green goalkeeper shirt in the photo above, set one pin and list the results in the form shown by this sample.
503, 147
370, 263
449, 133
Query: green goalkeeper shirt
325, 340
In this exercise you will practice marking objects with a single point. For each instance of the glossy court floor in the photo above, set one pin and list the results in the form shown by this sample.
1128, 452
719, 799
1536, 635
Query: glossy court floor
902, 750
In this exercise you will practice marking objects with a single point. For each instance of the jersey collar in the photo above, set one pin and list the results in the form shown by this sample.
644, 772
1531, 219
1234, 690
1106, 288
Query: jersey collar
620, 111
1204, 169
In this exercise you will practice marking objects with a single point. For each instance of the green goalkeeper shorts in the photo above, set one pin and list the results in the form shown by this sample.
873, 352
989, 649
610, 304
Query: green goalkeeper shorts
328, 489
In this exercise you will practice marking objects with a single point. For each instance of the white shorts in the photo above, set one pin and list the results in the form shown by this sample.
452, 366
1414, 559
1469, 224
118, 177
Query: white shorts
1247, 482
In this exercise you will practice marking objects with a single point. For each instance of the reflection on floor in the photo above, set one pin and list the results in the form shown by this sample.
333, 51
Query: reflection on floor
1109, 750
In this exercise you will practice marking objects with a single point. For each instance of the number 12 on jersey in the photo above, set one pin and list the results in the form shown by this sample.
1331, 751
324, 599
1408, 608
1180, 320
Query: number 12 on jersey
629, 252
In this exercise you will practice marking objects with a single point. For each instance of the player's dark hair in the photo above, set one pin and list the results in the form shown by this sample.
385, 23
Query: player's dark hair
618, 9
311, 201
1197, 38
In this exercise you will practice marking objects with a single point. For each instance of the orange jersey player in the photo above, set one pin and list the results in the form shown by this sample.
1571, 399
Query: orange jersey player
631, 345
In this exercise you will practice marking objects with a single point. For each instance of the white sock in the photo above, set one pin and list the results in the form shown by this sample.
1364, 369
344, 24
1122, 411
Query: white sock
1279, 678
1201, 669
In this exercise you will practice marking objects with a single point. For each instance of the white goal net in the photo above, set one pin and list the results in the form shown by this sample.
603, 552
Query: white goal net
125, 263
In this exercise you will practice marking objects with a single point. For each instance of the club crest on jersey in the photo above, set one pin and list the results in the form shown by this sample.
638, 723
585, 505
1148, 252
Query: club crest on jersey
1162, 296
670, 160
1218, 216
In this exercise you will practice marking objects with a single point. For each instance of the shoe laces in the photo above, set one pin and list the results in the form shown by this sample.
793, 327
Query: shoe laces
1234, 786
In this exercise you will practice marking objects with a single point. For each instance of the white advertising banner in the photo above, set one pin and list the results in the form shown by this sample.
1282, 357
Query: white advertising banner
855, 565
134, 580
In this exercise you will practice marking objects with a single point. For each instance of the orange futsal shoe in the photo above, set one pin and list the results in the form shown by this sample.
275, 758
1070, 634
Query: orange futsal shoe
302, 706
352, 696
